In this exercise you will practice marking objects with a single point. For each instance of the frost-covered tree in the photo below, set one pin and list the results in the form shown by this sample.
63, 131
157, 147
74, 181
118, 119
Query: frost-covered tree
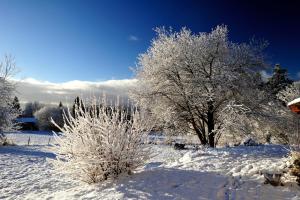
287, 124
193, 81
290, 92
45, 114
31, 108
102, 143
7, 113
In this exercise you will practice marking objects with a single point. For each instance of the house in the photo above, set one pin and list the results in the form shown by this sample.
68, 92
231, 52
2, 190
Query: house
295, 105
27, 123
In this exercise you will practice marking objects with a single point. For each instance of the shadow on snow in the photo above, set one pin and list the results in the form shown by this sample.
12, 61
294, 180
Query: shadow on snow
25, 151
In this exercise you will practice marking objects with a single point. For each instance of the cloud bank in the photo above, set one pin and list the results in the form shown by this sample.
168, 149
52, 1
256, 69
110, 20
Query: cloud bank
265, 75
298, 75
30, 89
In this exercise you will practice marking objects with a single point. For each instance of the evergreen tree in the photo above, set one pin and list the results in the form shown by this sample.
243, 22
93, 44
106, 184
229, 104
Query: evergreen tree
78, 107
16, 105
279, 80
61, 110
94, 110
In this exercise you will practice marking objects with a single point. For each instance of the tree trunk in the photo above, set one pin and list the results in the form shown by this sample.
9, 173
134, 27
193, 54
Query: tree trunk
199, 133
201, 136
210, 125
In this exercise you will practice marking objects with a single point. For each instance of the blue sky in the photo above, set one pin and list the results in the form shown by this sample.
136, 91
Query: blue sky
60, 41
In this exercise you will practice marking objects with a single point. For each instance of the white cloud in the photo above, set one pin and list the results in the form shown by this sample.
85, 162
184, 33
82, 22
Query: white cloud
133, 38
30, 89
265, 75
298, 75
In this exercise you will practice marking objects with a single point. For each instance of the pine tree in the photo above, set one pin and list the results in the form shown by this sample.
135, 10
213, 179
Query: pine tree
279, 80
16, 105
78, 107
60, 105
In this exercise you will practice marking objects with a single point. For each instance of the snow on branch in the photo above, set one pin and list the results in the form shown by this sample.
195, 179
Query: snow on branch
290, 93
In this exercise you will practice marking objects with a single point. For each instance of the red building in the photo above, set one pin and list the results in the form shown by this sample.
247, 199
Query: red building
295, 106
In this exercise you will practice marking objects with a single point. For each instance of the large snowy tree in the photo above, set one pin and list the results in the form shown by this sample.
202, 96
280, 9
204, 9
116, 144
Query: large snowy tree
7, 113
195, 82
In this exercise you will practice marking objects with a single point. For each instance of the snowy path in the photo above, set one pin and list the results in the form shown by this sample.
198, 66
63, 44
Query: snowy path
229, 173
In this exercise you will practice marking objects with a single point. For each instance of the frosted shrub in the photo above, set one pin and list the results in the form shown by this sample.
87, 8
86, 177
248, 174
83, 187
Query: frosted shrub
294, 168
102, 142
4, 141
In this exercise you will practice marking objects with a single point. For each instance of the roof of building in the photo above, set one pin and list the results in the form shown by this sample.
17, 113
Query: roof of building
295, 101
26, 120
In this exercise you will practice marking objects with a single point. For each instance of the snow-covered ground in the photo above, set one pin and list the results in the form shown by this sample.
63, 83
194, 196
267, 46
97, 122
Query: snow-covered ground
27, 172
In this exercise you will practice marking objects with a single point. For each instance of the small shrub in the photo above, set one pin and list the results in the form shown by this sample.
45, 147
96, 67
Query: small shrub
4, 141
248, 141
273, 179
295, 168
268, 138
169, 140
178, 146
103, 143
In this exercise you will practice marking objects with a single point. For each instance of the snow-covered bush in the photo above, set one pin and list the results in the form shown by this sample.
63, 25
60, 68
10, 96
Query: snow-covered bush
103, 142
44, 116
295, 167
4, 141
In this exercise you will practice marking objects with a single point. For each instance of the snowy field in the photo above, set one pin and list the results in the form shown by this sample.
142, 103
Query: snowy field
224, 173
31, 137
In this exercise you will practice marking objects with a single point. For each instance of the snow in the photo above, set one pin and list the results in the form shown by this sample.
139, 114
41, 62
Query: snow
294, 101
27, 172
